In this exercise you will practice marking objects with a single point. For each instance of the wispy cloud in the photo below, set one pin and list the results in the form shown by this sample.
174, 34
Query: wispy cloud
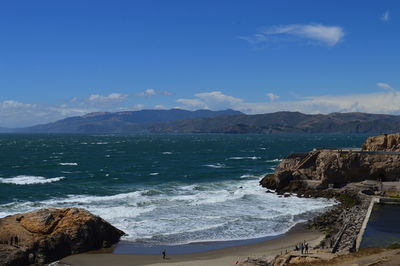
316, 34
272, 97
214, 100
152, 92
113, 97
387, 102
18, 114
385, 86
385, 16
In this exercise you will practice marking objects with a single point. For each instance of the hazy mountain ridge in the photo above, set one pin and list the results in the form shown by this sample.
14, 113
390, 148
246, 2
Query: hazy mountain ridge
120, 122
227, 121
286, 122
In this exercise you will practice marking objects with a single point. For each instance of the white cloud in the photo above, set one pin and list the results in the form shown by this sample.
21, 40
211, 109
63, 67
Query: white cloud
146, 93
272, 97
214, 100
138, 107
160, 107
385, 16
192, 103
10, 104
152, 92
113, 97
17, 114
385, 86
386, 102
316, 33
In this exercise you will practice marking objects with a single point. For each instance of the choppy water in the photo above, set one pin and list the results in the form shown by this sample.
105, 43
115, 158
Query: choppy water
161, 189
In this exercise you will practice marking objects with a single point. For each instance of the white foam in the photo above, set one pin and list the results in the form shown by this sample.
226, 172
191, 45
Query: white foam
274, 161
182, 213
217, 165
245, 158
68, 164
249, 176
154, 173
29, 180
167, 152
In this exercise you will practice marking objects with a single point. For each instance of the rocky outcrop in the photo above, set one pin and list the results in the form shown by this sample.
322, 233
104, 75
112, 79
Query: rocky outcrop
47, 235
340, 173
325, 168
383, 142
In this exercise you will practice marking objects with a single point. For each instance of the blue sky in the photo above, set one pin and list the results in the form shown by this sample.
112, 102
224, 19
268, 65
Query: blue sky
66, 58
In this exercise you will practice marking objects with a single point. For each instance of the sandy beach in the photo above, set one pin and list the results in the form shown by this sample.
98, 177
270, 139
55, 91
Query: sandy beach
219, 257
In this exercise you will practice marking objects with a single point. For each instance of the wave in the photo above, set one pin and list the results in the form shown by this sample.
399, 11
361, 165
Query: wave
274, 161
217, 165
251, 176
68, 164
167, 152
29, 180
207, 211
154, 173
245, 158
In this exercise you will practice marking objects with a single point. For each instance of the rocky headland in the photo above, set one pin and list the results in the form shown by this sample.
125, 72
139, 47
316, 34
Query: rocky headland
46, 235
351, 176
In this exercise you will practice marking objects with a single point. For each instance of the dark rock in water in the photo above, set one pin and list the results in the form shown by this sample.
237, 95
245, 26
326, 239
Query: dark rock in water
47, 235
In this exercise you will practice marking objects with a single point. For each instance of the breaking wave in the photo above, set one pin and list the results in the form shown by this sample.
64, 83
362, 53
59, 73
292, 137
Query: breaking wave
29, 180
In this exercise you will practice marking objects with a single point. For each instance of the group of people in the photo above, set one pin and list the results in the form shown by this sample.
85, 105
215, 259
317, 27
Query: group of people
303, 247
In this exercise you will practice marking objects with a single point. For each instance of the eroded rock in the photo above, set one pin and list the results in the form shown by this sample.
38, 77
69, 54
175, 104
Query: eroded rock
47, 235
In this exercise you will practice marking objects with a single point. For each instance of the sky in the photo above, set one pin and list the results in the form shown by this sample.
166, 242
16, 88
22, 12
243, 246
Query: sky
68, 58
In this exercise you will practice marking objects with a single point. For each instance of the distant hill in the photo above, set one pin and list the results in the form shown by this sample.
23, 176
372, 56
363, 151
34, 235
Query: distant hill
6, 130
285, 122
227, 121
121, 122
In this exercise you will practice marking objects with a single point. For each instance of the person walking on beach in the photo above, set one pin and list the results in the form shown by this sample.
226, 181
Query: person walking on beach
306, 247
163, 253
301, 248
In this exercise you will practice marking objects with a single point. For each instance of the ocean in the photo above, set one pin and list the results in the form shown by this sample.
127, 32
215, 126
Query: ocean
161, 189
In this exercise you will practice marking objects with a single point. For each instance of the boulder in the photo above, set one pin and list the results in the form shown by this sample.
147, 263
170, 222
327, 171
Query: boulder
46, 235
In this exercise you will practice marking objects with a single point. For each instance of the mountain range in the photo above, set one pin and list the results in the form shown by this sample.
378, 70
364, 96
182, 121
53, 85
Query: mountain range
121, 122
226, 121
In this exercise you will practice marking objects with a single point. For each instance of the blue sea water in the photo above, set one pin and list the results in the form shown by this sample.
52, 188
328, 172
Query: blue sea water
161, 189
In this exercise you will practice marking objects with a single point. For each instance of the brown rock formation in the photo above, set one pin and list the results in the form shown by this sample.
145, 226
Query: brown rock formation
47, 235
336, 167
328, 172
384, 142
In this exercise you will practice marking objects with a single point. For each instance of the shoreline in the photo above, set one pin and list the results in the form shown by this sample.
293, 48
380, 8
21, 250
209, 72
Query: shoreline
126, 247
223, 256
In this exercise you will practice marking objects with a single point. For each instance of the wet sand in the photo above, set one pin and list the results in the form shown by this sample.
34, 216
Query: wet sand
217, 257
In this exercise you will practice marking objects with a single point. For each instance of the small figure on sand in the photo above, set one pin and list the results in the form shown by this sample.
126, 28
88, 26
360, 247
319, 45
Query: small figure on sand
302, 248
306, 247
296, 248
163, 253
